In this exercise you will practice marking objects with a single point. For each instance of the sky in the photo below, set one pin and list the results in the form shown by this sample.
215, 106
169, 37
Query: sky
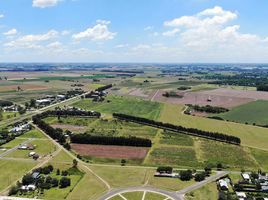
168, 31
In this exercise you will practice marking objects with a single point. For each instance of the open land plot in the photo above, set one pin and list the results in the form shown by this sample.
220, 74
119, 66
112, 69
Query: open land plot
207, 192
72, 128
107, 127
251, 136
13, 170
173, 156
201, 98
13, 143
108, 151
252, 113
118, 176
9, 115
42, 148
133, 195
36, 134
154, 196
23, 87
229, 155
126, 105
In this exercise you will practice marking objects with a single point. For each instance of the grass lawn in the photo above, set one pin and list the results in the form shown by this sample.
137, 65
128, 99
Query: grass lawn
176, 139
207, 192
261, 157
126, 105
88, 188
9, 115
62, 156
122, 176
33, 134
174, 156
253, 112
171, 184
13, 143
43, 147
133, 195
117, 197
12, 171
154, 196
250, 135
229, 155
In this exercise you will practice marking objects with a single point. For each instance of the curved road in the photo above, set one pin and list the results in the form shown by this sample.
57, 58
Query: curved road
114, 192
179, 195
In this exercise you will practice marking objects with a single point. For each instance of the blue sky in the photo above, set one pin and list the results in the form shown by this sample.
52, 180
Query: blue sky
133, 31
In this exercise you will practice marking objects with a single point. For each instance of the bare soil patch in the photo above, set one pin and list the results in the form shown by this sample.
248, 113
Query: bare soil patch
222, 99
72, 128
23, 87
109, 151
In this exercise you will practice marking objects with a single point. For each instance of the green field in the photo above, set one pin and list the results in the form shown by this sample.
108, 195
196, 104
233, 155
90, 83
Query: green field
207, 192
252, 113
11, 171
126, 105
251, 136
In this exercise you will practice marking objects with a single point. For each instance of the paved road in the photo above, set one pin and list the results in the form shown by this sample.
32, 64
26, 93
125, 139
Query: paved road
179, 195
197, 185
114, 192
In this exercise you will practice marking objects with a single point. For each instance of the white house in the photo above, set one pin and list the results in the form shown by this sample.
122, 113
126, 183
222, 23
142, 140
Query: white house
241, 195
246, 176
223, 184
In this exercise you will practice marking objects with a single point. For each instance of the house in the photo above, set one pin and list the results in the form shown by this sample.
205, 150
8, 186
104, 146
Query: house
172, 175
61, 97
43, 101
31, 154
35, 156
241, 195
28, 187
264, 188
223, 184
36, 175
23, 147
246, 176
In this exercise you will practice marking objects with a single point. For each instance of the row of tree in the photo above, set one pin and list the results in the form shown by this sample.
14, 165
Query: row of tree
208, 108
71, 112
4, 103
104, 88
262, 88
108, 140
190, 131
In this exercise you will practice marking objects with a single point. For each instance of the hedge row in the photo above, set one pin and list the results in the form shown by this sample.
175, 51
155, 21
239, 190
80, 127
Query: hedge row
107, 140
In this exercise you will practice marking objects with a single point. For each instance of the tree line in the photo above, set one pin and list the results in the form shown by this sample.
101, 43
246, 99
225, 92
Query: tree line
190, 131
108, 140
104, 88
208, 108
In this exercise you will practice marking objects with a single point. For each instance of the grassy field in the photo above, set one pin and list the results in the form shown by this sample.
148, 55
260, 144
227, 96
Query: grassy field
251, 136
33, 134
126, 105
207, 192
43, 148
12, 171
109, 127
252, 113
133, 195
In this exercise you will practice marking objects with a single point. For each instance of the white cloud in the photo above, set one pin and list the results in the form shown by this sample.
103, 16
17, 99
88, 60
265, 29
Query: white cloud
31, 41
65, 32
141, 47
11, 32
171, 32
55, 45
208, 17
148, 28
121, 46
45, 3
99, 32
2, 16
